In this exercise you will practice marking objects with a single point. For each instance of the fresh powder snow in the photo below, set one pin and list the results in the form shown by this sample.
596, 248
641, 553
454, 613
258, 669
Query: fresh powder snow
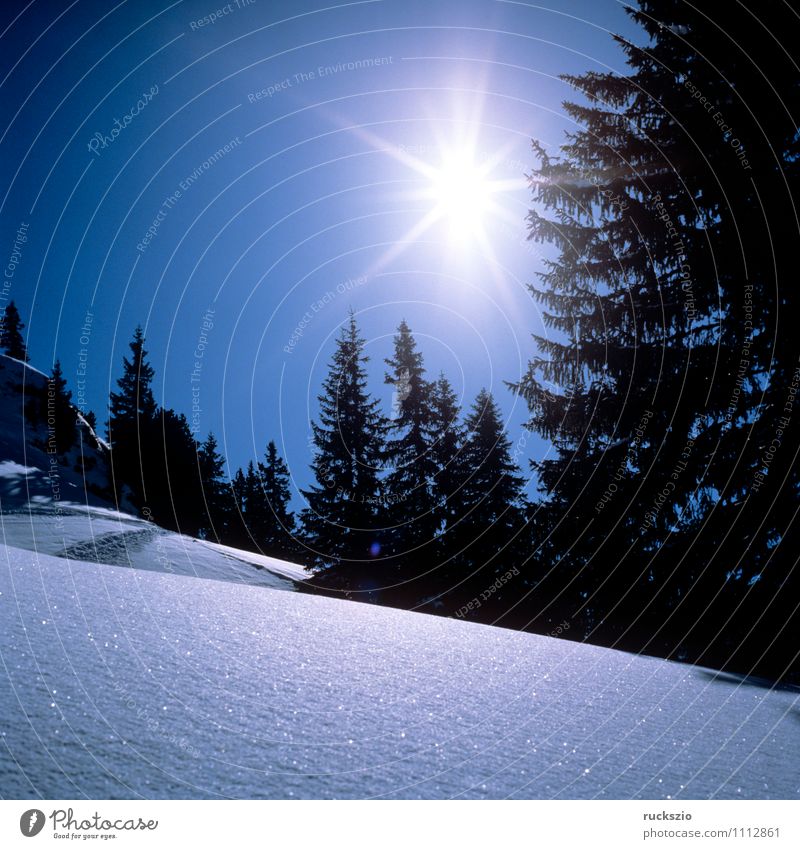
124, 682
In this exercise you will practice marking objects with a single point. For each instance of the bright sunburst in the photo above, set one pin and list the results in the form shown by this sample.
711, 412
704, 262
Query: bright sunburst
462, 194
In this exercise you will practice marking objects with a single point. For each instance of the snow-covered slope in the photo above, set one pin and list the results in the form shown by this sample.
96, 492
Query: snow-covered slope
123, 683
261, 561
62, 506
102, 535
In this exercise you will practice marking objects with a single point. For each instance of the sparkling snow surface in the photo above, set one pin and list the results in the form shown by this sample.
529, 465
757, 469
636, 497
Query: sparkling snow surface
121, 682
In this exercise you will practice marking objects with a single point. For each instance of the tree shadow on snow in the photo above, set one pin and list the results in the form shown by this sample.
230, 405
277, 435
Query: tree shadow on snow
748, 681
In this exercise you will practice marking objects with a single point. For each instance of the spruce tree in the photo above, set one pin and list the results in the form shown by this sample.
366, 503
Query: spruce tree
60, 414
11, 328
134, 402
344, 520
448, 440
214, 489
275, 534
252, 490
251, 507
489, 500
411, 509
239, 488
236, 530
450, 472
254, 508
132, 414
169, 472
658, 438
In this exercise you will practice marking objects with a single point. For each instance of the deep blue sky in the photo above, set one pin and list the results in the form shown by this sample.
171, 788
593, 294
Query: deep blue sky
308, 198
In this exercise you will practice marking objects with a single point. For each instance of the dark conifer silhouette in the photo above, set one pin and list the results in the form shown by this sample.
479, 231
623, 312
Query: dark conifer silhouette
276, 532
216, 497
169, 465
411, 508
236, 532
489, 500
344, 519
655, 515
153, 452
59, 413
448, 440
134, 401
11, 328
132, 412
249, 509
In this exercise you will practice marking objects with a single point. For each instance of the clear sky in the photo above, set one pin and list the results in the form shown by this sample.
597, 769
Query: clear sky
279, 163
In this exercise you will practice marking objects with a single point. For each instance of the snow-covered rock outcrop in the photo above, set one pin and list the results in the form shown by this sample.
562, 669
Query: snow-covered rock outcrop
29, 471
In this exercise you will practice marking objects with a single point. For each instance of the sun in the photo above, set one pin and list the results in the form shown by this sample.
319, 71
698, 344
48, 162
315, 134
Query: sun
462, 195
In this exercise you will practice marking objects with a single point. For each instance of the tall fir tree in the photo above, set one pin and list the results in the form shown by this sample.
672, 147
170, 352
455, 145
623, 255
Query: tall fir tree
215, 491
449, 475
255, 508
658, 439
132, 412
60, 414
344, 520
276, 531
489, 501
169, 466
11, 328
153, 453
411, 508
449, 470
251, 506
134, 401
236, 531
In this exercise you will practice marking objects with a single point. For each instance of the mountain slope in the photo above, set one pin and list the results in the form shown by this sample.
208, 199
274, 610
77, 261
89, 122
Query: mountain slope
101, 535
125, 683
63, 506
